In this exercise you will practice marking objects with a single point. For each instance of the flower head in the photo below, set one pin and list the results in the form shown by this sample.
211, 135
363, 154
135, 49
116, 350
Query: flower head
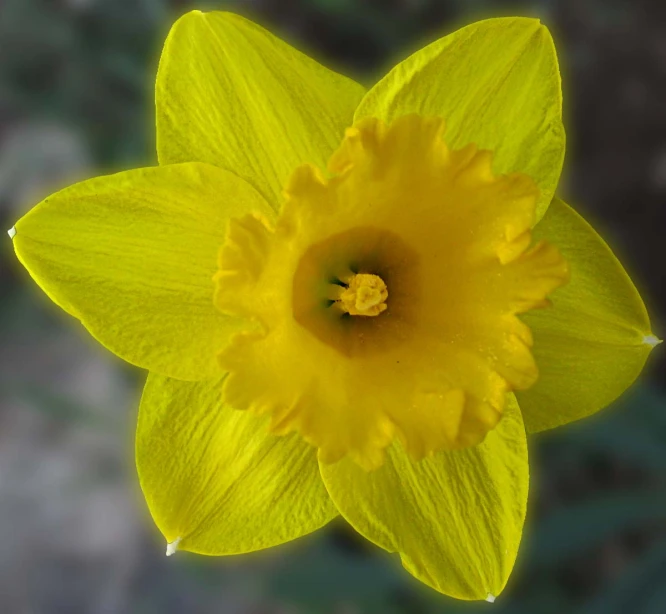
382, 280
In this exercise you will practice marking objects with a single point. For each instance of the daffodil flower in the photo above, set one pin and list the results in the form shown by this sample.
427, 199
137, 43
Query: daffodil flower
373, 276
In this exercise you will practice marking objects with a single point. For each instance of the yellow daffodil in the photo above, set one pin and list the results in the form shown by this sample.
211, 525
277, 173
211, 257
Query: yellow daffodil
374, 276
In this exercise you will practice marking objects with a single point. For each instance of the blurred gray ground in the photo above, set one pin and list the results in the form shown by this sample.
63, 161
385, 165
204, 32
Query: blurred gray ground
75, 97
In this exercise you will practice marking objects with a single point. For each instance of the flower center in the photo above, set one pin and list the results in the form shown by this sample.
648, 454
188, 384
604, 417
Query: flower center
348, 274
365, 295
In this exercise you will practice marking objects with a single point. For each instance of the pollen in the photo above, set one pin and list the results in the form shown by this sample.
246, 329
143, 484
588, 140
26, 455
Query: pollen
365, 296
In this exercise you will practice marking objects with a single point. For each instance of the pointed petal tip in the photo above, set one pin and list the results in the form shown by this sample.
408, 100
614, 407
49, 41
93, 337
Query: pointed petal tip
12, 232
490, 598
652, 340
172, 547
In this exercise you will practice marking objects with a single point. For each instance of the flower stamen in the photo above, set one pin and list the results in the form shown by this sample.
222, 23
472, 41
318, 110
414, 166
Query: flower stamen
365, 295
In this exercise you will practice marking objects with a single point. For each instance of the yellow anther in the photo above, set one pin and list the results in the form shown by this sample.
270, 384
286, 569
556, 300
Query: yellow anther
365, 296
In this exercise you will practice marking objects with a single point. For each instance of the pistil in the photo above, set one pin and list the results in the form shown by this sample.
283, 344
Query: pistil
365, 295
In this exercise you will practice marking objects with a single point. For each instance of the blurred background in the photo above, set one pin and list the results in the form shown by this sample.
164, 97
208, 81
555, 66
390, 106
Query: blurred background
76, 79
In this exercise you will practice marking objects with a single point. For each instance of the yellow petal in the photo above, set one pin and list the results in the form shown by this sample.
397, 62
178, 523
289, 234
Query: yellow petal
446, 244
594, 340
132, 256
497, 85
215, 481
456, 518
231, 94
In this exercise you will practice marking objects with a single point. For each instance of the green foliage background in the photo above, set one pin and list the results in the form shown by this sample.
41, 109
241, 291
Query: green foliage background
76, 99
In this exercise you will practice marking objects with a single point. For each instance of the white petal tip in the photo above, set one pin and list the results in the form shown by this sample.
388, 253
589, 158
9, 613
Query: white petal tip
490, 598
651, 340
172, 547
12, 232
